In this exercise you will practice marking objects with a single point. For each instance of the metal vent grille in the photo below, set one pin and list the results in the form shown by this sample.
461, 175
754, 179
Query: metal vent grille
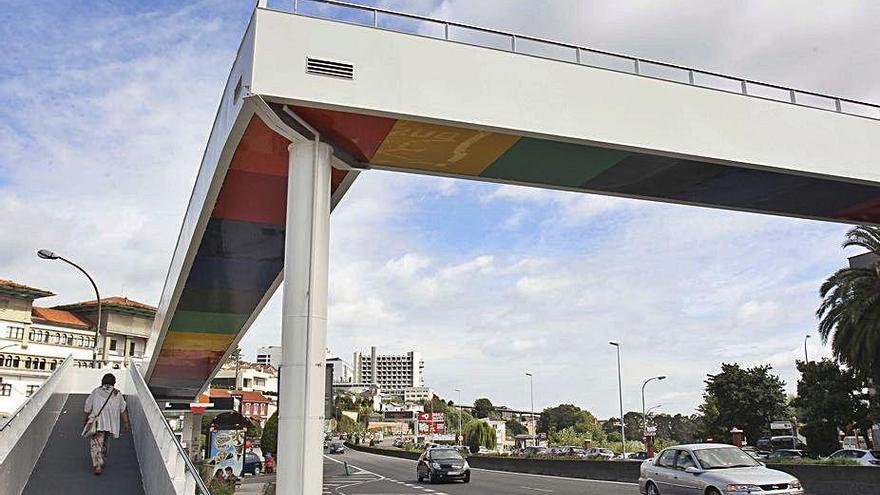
321, 67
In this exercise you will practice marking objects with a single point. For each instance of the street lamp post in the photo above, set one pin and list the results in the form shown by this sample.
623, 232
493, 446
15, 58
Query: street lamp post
620, 393
648, 444
460, 433
49, 255
532, 410
806, 357
8, 346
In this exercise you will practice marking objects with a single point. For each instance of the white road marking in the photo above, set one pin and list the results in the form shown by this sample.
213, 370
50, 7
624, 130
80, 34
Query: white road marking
537, 489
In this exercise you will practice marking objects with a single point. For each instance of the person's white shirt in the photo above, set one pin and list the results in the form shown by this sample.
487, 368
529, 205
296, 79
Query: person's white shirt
110, 416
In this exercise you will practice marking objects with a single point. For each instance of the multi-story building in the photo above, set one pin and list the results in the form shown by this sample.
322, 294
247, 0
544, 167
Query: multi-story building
34, 340
246, 376
342, 371
394, 373
269, 354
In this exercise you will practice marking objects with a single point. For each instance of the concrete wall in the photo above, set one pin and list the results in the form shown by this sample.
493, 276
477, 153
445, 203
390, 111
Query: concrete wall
14, 309
817, 479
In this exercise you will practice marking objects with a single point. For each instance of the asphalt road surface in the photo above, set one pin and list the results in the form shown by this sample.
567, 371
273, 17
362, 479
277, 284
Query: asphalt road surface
377, 474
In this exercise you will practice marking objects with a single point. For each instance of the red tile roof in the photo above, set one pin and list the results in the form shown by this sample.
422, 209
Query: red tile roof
109, 303
248, 396
58, 317
21, 289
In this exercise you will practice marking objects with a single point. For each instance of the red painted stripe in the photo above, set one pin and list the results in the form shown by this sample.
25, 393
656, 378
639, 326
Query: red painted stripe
359, 135
183, 365
868, 212
261, 150
252, 197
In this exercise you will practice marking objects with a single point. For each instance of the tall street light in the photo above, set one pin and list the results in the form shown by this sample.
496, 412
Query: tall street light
532, 410
806, 357
620, 392
644, 412
49, 255
460, 433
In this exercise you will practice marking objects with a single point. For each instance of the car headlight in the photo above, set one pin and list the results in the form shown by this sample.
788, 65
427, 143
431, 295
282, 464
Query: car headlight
795, 484
435, 465
466, 466
734, 488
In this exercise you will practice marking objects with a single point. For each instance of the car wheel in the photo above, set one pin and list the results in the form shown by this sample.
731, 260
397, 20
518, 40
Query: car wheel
256, 471
652, 489
467, 477
712, 491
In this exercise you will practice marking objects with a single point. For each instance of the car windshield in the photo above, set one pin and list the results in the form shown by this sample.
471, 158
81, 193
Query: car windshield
723, 458
445, 454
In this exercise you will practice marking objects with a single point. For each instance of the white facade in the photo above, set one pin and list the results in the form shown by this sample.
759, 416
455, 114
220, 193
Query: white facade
417, 394
269, 354
394, 373
251, 378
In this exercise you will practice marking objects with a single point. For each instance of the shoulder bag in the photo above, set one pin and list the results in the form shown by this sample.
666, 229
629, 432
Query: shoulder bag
91, 427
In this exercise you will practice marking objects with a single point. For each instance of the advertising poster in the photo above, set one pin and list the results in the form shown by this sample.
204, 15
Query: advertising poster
227, 451
431, 423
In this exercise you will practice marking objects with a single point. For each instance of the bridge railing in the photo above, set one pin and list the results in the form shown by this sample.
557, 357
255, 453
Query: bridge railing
414, 24
169, 463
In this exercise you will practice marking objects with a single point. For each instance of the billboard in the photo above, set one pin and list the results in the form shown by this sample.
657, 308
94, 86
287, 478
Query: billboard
431, 423
399, 415
227, 451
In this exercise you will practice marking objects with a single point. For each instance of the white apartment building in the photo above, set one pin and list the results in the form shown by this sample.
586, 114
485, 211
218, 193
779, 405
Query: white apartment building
251, 377
394, 373
269, 354
34, 340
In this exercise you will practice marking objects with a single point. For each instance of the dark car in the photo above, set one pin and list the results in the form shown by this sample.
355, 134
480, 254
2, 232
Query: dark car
783, 454
336, 448
440, 464
252, 464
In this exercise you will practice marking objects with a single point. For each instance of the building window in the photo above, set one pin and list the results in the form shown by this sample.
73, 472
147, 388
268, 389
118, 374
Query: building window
31, 390
69, 339
247, 407
5, 389
131, 349
15, 332
27, 363
112, 344
81, 341
57, 339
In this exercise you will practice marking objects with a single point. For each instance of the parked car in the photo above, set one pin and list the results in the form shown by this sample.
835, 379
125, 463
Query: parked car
712, 469
442, 463
754, 452
637, 456
572, 451
252, 464
862, 456
532, 451
336, 448
783, 454
597, 453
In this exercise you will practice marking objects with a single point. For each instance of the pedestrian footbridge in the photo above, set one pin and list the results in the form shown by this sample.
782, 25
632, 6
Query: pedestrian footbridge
42, 451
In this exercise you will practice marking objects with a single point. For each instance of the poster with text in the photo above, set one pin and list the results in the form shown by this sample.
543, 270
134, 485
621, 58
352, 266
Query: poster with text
227, 451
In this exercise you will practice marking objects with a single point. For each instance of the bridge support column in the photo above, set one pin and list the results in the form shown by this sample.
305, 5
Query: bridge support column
304, 321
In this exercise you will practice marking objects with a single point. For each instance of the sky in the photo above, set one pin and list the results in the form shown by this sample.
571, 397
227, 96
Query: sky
105, 109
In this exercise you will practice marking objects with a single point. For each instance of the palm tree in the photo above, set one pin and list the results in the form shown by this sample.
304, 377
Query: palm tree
850, 311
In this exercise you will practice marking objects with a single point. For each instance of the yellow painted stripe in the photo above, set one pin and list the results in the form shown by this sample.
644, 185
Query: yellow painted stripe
197, 341
441, 148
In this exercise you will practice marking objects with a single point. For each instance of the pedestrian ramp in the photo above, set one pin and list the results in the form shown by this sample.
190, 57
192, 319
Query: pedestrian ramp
42, 450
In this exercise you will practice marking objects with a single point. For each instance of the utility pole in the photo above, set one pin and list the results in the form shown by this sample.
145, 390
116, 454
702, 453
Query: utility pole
620, 392
532, 410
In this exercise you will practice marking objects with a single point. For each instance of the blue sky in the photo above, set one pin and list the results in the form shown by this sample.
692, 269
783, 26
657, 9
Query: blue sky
106, 108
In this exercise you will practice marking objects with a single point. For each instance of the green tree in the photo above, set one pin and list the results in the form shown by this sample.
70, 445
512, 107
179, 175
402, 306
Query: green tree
829, 398
269, 438
849, 315
515, 428
451, 417
479, 434
558, 417
746, 398
567, 436
347, 425
483, 408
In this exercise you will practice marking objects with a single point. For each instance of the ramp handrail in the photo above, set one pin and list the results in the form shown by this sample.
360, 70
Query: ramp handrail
154, 415
638, 66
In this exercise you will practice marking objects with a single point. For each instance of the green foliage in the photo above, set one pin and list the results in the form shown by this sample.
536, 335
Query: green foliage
452, 419
554, 419
347, 425
255, 431
746, 398
850, 309
269, 438
479, 434
483, 408
567, 436
515, 428
829, 397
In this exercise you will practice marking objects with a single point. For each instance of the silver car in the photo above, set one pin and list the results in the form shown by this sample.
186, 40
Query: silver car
712, 469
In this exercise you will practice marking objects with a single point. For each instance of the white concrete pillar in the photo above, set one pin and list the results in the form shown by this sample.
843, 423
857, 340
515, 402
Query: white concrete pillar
304, 321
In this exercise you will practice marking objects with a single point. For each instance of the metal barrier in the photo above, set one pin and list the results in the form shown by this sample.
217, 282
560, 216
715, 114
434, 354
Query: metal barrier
418, 25
24, 434
170, 461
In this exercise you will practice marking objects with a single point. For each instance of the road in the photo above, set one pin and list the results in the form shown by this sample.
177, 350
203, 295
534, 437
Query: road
377, 474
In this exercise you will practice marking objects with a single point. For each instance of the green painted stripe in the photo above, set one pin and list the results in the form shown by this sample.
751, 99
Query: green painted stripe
539, 161
207, 322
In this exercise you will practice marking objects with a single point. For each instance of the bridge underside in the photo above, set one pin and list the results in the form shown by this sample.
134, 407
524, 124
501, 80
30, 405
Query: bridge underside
411, 103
